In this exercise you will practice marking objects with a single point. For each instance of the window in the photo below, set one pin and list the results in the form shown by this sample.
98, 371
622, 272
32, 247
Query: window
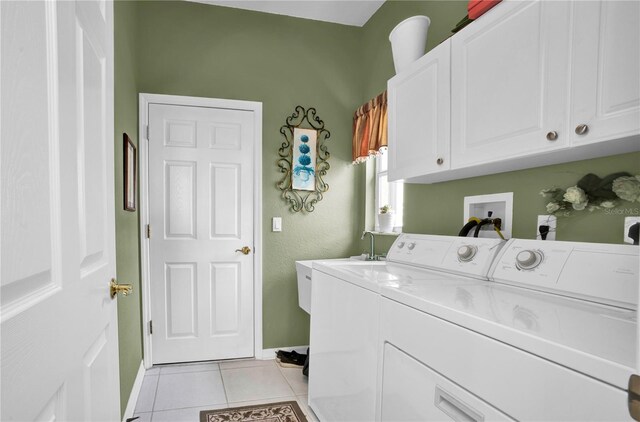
388, 193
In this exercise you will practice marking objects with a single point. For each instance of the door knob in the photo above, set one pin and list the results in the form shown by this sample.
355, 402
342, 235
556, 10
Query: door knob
552, 136
115, 288
245, 250
582, 129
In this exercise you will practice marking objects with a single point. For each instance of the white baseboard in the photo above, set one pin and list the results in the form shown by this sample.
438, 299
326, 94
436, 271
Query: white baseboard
135, 392
271, 353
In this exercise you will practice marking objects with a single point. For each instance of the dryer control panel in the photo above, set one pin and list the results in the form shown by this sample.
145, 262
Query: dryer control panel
601, 273
458, 255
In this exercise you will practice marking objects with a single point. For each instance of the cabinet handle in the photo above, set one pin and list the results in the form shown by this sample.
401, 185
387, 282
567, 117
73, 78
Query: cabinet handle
439, 161
552, 136
582, 129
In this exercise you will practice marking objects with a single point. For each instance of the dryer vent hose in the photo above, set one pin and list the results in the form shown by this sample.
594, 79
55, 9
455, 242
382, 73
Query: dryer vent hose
475, 222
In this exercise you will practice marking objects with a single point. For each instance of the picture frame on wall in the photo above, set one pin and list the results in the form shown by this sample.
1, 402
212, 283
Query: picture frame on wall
130, 173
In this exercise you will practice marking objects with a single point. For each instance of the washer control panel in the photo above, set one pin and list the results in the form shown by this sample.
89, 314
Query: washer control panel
599, 272
460, 255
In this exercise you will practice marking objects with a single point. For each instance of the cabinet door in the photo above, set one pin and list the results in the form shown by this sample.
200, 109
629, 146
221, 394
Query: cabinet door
419, 116
509, 83
344, 336
605, 93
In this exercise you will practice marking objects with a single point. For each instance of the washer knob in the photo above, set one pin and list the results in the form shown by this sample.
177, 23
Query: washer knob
528, 259
410, 246
400, 245
467, 252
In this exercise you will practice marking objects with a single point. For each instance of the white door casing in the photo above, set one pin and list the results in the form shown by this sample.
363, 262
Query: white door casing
59, 357
203, 204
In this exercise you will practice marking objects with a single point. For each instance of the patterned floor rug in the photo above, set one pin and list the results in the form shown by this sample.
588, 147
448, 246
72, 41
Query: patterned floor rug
286, 411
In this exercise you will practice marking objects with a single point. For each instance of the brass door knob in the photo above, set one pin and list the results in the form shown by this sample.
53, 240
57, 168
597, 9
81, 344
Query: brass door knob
245, 250
552, 136
115, 288
582, 129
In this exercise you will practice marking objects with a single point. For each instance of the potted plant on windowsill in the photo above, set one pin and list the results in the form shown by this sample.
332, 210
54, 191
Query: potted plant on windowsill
385, 219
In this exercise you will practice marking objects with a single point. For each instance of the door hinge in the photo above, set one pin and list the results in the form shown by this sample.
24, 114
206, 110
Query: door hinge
148, 231
151, 327
633, 399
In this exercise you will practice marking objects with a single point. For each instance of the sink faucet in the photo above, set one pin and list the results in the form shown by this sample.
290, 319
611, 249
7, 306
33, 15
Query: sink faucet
372, 256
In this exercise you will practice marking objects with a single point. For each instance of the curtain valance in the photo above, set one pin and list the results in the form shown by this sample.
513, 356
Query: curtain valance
370, 128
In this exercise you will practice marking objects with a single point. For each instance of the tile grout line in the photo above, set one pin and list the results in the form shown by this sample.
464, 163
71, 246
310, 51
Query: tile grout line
287, 380
224, 387
155, 395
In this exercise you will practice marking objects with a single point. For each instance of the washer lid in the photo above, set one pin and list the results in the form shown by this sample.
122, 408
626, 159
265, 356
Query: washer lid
373, 275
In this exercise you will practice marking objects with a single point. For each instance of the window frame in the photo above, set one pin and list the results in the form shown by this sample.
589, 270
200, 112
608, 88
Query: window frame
395, 192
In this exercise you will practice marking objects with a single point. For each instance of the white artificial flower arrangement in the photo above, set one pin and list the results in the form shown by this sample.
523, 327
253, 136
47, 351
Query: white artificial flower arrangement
593, 193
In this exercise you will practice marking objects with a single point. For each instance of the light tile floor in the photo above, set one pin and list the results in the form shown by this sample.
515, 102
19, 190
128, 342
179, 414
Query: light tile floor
177, 393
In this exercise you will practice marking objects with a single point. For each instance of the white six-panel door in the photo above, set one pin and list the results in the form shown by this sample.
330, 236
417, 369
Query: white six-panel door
59, 357
201, 212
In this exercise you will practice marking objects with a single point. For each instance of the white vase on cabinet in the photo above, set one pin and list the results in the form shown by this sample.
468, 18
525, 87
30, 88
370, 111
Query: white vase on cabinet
408, 41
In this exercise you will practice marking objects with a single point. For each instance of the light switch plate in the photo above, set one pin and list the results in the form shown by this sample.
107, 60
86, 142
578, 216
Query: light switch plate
549, 220
276, 224
628, 222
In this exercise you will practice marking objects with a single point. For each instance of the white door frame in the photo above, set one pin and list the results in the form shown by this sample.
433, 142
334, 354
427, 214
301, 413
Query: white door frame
143, 149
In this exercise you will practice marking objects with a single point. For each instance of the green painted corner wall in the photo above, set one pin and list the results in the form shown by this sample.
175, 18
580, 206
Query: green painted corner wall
127, 223
438, 208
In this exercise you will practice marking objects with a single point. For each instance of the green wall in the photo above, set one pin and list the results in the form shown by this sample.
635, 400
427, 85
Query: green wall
127, 228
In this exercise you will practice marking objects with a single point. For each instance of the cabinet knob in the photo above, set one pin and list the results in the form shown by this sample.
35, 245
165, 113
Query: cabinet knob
552, 136
582, 129
440, 161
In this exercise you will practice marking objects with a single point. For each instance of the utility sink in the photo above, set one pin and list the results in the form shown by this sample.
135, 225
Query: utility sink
304, 271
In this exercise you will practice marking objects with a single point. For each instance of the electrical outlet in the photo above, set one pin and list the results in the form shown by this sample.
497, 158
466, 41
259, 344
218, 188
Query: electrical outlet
628, 222
548, 220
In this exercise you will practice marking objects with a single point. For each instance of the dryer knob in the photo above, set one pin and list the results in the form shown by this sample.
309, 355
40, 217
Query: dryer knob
467, 252
411, 246
528, 259
400, 245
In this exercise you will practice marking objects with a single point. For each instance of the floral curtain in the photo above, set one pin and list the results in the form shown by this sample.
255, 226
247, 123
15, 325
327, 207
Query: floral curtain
370, 128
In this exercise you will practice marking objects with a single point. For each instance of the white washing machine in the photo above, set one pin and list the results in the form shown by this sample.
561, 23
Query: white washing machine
345, 314
552, 337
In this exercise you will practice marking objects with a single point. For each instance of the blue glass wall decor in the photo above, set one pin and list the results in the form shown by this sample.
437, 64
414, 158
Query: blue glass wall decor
303, 160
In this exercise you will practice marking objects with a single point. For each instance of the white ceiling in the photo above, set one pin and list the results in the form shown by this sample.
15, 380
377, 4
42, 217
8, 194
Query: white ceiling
346, 12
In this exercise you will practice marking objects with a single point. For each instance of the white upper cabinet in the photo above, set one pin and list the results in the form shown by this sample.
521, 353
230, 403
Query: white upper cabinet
605, 79
509, 83
419, 116
532, 83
